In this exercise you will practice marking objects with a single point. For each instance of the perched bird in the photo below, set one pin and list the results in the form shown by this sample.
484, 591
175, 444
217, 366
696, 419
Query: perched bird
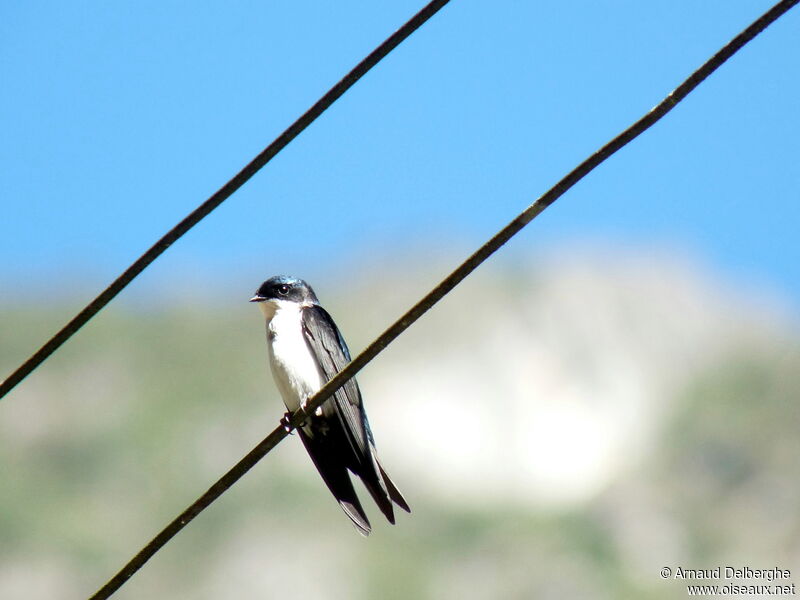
305, 351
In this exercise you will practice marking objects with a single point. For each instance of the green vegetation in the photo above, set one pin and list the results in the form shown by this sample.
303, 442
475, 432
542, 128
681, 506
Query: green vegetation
141, 412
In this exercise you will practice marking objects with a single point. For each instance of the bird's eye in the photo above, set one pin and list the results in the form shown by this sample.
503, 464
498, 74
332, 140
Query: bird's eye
283, 289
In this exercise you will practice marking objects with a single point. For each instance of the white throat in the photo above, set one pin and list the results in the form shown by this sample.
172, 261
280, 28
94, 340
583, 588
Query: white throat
270, 308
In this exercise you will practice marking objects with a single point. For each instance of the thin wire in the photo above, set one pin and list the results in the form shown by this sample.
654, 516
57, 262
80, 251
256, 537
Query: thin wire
272, 440
91, 309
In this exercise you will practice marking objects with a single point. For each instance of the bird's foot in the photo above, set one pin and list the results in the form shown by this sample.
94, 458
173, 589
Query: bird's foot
286, 420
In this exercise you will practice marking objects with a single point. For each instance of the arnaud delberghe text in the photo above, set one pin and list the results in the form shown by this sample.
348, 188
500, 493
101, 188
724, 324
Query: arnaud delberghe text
738, 573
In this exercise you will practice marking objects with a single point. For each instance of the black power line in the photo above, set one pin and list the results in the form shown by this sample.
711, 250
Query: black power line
173, 235
467, 267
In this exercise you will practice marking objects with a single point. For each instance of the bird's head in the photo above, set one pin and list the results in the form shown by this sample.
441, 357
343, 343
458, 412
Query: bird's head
282, 290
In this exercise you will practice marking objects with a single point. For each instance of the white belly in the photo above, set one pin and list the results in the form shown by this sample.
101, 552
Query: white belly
294, 369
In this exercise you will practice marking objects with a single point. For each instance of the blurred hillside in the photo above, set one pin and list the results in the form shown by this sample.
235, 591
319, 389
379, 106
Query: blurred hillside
561, 430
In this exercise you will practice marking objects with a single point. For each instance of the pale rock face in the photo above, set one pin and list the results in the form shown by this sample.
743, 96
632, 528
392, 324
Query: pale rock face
546, 392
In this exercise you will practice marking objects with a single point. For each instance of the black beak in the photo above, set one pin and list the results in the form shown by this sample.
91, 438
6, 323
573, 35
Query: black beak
257, 298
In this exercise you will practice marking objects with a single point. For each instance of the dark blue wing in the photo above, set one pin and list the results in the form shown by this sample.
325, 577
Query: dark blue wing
329, 348
343, 416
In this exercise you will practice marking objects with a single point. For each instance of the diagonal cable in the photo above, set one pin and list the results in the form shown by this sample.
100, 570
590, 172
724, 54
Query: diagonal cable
91, 309
404, 322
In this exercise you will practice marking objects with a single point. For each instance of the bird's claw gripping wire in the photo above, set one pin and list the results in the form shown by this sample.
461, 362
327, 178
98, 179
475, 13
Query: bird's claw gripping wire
286, 421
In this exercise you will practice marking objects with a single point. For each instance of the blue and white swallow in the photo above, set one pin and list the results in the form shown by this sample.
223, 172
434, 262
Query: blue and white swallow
305, 351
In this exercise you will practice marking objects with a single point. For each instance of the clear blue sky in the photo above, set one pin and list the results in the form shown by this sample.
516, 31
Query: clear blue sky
118, 118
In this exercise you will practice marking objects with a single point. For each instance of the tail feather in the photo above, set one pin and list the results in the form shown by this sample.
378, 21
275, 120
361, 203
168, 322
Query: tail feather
357, 516
382, 489
335, 475
394, 493
377, 489
334, 467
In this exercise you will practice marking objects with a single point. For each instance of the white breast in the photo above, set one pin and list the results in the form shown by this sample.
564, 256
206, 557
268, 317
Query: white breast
294, 369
